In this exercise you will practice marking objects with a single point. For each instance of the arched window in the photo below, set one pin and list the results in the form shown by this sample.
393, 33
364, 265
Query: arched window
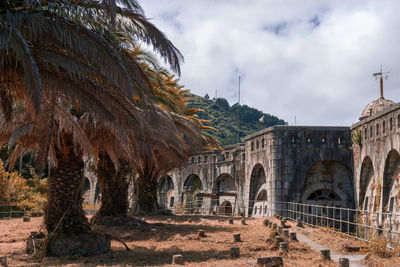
377, 129
262, 143
390, 124
383, 127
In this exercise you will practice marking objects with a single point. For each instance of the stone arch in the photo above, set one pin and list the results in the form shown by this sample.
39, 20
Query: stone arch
225, 208
262, 195
165, 191
258, 180
225, 183
390, 178
306, 163
97, 194
366, 176
86, 191
328, 183
192, 187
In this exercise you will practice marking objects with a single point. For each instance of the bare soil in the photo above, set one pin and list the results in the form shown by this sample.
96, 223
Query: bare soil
155, 242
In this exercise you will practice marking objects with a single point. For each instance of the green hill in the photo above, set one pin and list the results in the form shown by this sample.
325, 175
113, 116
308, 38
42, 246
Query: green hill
224, 118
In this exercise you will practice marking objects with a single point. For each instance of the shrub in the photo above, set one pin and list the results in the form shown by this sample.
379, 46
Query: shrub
21, 193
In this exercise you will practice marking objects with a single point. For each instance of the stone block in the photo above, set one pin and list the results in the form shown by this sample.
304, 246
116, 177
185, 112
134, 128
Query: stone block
284, 247
169, 221
236, 237
230, 221
26, 219
278, 240
280, 230
274, 225
299, 222
344, 262
235, 252
326, 254
3, 261
270, 261
243, 221
266, 222
177, 259
286, 234
293, 236
202, 233
190, 221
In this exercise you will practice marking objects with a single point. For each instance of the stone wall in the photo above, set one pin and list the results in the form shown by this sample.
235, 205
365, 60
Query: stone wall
377, 163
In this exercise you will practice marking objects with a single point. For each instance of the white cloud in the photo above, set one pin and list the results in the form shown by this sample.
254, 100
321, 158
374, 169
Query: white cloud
312, 59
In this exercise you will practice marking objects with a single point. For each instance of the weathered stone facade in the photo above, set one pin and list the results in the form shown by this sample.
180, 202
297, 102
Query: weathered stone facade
280, 163
377, 161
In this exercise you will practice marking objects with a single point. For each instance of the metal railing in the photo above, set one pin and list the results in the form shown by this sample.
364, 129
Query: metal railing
359, 224
10, 212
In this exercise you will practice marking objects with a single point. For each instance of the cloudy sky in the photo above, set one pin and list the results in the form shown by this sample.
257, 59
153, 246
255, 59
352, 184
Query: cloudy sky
312, 59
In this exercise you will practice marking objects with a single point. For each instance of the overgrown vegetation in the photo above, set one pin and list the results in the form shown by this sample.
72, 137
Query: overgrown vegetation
20, 193
224, 118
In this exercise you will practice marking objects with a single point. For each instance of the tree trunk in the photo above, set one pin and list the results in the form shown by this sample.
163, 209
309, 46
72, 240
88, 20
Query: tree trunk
68, 230
114, 190
147, 194
64, 214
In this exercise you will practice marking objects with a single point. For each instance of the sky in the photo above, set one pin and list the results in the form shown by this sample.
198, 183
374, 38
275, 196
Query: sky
309, 59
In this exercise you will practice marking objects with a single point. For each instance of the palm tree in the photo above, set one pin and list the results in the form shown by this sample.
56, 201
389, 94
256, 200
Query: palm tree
52, 59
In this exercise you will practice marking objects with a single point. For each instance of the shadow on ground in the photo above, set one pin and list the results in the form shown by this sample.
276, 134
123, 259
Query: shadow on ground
164, 231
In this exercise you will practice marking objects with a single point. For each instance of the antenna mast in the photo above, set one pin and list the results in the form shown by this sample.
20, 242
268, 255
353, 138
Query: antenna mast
238, 128
381, 75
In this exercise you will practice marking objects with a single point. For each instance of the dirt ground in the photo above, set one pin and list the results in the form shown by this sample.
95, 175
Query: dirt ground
337, 242
155, 242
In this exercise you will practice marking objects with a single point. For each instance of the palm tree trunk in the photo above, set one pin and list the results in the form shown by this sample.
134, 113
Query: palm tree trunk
64, 215
114, 190
67, 227
147, 194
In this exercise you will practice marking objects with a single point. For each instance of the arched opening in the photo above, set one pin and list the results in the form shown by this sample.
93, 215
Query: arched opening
390, 178
323, 195
225, 208
262, 196
86, 192
191, 195
366, 176
328, 183
166, 192
257, 180
97, 195
225, 184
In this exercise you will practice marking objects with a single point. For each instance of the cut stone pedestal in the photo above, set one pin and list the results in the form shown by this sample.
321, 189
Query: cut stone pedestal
3, 261
236, 237
235, 252
177, 259
202, 233
286, 234
270, 262
278, 240
326, 254
344, 262
280, 230
299, 222
293, 236
284, 247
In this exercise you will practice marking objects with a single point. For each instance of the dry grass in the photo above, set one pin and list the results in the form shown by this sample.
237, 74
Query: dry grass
154, 243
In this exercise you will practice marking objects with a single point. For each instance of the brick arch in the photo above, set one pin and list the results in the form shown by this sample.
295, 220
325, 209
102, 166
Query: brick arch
366, 176
390, 177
